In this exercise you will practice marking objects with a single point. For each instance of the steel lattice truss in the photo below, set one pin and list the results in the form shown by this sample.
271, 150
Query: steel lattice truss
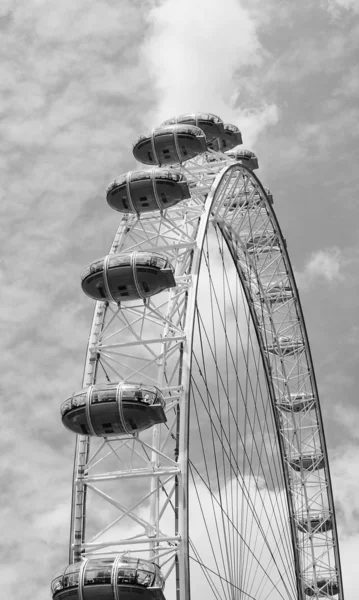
138, 484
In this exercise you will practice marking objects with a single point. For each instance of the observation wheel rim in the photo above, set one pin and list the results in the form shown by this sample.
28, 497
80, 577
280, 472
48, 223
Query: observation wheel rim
190, 313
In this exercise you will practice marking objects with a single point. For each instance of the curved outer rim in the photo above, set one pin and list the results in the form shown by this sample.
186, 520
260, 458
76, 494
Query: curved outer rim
82, 446
287, 261
272, 394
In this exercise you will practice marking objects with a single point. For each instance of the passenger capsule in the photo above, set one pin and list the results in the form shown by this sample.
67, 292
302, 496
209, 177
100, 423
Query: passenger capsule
262, 243
113, 409
287, 345
324, 588
108, 578
145, 191
269, 195
211, 125
310, 462
170, 145
127, 276
278, 294
230, 138
247, 199
246, 157
316, 525
298, 402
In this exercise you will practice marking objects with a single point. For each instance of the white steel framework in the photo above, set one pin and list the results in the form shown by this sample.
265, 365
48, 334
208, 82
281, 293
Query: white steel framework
133, 493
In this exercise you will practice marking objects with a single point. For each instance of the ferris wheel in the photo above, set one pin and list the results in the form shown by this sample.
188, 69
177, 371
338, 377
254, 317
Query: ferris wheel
200, 466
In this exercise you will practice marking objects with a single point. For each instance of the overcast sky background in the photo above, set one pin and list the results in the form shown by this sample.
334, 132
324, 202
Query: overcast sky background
80, 80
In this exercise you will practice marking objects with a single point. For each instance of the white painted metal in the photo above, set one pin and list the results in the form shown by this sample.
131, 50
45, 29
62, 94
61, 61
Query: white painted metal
151, 343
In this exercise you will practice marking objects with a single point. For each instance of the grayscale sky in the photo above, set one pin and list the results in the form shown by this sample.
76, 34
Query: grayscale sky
80, 80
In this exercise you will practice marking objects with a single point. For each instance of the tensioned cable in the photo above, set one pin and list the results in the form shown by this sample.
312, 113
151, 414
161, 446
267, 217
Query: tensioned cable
271, 412
208, 569
206, 574
266, 409
271, 439
218, 400
222, 510
224, 386
218, 374
258, 380
243, 485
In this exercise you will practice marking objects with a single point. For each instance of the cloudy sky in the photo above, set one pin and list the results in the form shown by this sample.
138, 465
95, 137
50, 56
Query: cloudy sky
80, 80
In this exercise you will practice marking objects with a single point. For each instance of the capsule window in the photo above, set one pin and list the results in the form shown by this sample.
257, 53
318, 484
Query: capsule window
126, 575
144, 578
96, 576
78, 401
66, 407
57, 584
158, 261
107, 427
101, 291
71, 580
99, 396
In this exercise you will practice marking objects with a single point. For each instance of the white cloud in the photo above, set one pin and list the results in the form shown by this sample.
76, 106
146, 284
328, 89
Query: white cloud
323, 265
344, 470
337, 6
195, 62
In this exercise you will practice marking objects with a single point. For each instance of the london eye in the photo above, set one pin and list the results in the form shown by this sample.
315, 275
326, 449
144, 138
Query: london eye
201, 465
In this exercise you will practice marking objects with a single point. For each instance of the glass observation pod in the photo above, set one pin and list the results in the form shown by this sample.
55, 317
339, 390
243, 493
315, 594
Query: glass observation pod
230, 138
278, 293
127, 276
319, 524
170, 145
286, 344
211, 125
323, 588
246, 157
113, 409
297, 403
262, 243
108, 578
248, 199
144, 191
309, 462
269, 195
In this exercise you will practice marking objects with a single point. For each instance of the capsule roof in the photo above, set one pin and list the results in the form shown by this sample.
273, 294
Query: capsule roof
246, 157
230, 138
298, 402
147, 190
170, 145
311, 462
211, 125
323, 588
286, 344
318, 524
